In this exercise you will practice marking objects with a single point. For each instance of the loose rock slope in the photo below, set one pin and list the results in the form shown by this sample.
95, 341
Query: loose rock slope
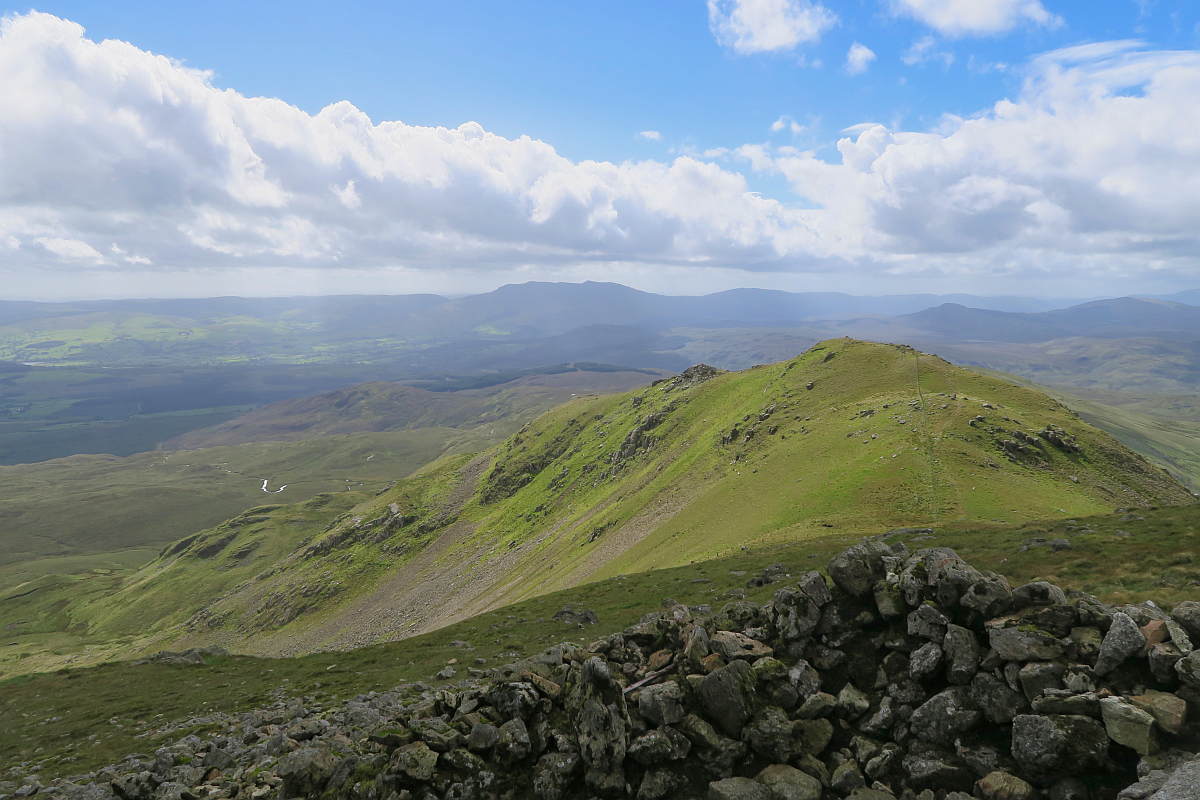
914, 675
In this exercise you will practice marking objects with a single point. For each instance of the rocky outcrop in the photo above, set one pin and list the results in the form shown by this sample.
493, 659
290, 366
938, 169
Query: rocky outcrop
914, 675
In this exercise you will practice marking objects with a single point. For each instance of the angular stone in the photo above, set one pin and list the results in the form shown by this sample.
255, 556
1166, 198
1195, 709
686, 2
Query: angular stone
795, 614
944, 717
961, 651
924, 661
1188, 669
846, 778
1051, 747
1179, 636
851, 703
1084, 645
1168, 710
415, 761
483, 737
716, 753
889, 600
1039, 593
1062, 702
1122, 641
928, 623
514, 744
856, 569
658, 746
737, 789
601, 721
1187, 615
1129, 725
931, 768
1184, 784
1069, 789
990, 595
806, 679
1163, 658
658, 783
820, 704
1038, 676
554, 774
813, 584
727, 696
662, 703
733, 646
697, 646
789, 783
1002, 786
1020, 644
770, 735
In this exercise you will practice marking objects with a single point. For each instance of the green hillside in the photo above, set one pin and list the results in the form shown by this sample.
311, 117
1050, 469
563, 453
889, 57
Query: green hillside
849, 437
1163, 428
118, 709
99, 511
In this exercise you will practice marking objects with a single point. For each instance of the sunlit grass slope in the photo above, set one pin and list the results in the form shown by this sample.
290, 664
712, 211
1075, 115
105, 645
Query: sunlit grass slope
848, 437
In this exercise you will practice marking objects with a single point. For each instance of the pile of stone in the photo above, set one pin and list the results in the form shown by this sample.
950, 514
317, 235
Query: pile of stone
912, 675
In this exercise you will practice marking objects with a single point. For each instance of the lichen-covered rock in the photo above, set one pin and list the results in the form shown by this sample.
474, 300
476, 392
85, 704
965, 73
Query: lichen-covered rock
414, 762
659, 745
1024, 644
737, 789
716, 754
1187, 616
795, 614
1188, 669
789, 783
662, 703
1129, 725
962, 655
553, 775
1003, 786
1056, 746
944, 717
856, 569
727, 696
1123, 639
601, 723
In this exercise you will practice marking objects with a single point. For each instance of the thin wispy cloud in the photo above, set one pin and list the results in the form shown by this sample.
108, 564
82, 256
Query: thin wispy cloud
785, 122
650, 136
924, 50
976, 17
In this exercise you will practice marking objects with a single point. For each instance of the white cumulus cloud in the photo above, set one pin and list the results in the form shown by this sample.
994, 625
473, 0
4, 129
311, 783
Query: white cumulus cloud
104, 143
858, 59
1091, 171
762, 26
652, 136
975, 17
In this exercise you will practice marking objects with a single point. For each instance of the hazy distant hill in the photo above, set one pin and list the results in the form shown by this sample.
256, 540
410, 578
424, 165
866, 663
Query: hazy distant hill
1124, 317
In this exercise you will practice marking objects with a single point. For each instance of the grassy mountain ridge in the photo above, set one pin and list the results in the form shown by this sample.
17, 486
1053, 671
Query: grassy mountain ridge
849, 436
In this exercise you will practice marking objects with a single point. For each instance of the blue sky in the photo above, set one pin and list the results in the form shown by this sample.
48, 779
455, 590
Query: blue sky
587, 77
758, 91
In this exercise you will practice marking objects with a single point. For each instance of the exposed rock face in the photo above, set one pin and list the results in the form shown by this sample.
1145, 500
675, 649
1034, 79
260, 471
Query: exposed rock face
914, 676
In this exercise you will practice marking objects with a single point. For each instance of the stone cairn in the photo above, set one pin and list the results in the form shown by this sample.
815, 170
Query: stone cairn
914, 675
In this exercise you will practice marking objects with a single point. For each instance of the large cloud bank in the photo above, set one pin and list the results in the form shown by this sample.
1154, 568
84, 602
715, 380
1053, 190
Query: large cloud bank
113, 158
